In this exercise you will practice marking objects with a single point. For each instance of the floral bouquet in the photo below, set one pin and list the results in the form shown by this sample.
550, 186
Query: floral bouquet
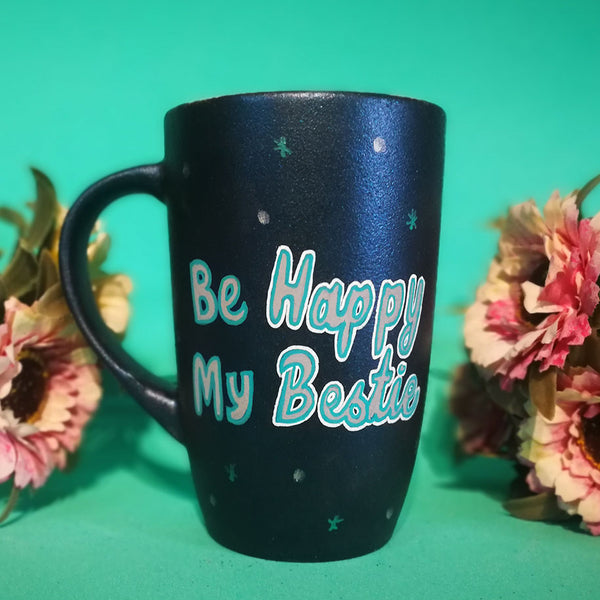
531, 391
49, 380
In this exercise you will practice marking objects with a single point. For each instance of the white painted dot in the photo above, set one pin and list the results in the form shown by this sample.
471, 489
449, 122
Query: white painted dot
186, 170
379, 145
389, 513
263, 217
299, 475
212, 500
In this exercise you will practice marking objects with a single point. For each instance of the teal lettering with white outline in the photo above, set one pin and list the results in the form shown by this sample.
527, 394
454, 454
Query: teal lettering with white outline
380, 404
204, 299
330, 402
207, 385
207, 305
342, 314
341, 311
241, 397
394, 395
389, 312
410, 397
412, 316
335, 408
287, 296
229, 293
386, 402
297, 366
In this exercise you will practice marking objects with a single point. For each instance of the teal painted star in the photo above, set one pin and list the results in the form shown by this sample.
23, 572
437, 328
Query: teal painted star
231, 474
333, 523
412, 219
281, 147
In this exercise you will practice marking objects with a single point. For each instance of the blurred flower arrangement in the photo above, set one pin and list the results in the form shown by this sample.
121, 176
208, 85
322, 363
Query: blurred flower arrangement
531, 392
50, 383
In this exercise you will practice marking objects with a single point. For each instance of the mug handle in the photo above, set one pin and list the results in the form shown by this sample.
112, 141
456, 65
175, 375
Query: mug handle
155, 395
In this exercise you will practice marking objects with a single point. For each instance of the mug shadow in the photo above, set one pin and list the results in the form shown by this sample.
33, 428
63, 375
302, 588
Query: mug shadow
111, 441
487, 475
499, 479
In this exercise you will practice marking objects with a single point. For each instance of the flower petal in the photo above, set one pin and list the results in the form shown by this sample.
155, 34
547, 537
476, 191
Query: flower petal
571, 488
589, 507
594, 528
548, 469
28, 468
8, 457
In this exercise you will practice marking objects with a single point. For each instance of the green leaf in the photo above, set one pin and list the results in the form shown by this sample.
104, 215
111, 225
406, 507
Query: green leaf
542, 391
586, 189
20, 274
12, 502
9, 215
47, 273
52, 305
540, 507
45, 208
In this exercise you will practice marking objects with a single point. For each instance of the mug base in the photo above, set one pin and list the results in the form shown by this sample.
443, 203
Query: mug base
274, 550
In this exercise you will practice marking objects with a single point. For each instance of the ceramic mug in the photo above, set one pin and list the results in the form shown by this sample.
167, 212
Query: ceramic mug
303, 233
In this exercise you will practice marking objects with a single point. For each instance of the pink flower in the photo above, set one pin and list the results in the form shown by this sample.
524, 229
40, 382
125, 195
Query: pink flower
49, 388
540, 291
563, 453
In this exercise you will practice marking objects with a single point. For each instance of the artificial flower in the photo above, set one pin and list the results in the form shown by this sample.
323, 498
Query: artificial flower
111, 291
563, 453
53, 391
49, 381
484, 427
540, 293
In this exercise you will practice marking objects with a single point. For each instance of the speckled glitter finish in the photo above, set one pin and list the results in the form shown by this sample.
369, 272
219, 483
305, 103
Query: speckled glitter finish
304, 236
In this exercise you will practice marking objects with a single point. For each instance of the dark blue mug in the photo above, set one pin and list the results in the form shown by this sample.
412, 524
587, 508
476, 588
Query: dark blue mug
303, 233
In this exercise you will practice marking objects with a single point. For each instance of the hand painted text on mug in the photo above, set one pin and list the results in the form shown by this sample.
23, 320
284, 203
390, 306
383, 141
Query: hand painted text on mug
328, 308
333, 309
208, 382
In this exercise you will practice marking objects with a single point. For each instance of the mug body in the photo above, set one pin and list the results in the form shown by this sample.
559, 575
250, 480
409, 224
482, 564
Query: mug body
304, 235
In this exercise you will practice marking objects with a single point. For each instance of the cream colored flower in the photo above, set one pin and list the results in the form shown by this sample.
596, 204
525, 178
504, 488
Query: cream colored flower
111, 291
563, 453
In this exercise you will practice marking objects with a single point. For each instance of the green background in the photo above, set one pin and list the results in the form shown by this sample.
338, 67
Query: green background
84, 87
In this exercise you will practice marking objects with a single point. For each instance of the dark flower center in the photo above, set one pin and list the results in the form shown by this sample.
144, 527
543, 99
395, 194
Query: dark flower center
539, 274
590, 438
28, 389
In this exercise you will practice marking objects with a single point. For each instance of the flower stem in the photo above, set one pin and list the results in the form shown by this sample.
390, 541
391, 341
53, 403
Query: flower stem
12, 502
586, 189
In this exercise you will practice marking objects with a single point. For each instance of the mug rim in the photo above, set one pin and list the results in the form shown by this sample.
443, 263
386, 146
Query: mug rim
308, 94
